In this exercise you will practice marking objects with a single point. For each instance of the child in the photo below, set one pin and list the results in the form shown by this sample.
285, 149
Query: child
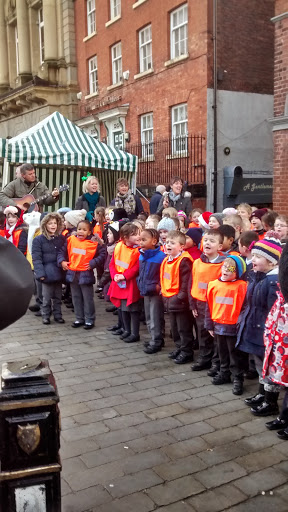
99, 217
261, 295
245, 240
148, 282
256, 221
170, 212
193, 239
2, 224
281, 228
152, 221
71, 220
245, 211
182, 217
230, 246
225, 297
207, 268
79, 256
216, 220
165, 225
175, 272
113, 234
203, 220
15, 230
268, 220
194, 216
236, 222
123, 291
108, 211
45, 248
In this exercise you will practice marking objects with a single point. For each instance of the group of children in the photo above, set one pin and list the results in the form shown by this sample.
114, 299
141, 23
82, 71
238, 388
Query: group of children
215, 275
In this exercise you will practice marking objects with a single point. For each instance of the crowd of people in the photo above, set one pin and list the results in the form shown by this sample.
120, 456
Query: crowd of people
214, 275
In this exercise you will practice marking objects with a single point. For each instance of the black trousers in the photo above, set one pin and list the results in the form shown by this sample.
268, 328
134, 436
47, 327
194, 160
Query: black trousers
181, 328
232, 360
207, 348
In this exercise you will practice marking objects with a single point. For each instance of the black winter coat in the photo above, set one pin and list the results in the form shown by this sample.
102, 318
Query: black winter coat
82, 203
44, 257
183, 204
179, 303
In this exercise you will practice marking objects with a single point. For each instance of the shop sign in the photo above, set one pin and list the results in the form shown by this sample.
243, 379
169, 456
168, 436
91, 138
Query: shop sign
252, 187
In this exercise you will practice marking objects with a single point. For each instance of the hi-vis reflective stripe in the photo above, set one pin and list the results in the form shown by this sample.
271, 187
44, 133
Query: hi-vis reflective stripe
167, 276
76, 250
122, 264
225, 300
203, 286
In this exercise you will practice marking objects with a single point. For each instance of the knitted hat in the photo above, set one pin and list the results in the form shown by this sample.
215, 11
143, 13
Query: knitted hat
167, 224
182, 214
240, 265
204, 219
115, 228
195, 234
218, 216
259, 213
14, 210
269, 247
75, 216
230, 211
118, 214
64, 209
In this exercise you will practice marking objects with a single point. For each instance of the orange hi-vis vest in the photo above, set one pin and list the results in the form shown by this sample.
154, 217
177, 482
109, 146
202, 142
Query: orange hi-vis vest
169, 274
225, 300
202, 274
16, 237
80, 252
193, 225
65, 232
2, 232
125, 257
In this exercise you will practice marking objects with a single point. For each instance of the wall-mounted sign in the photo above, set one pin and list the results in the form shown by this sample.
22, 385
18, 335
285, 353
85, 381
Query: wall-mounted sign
252, 190
102, 103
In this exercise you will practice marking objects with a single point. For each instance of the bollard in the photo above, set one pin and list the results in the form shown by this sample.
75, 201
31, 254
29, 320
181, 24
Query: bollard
29, 438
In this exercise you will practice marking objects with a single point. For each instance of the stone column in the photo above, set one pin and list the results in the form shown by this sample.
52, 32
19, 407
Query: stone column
4, 70
50, 30
23, 40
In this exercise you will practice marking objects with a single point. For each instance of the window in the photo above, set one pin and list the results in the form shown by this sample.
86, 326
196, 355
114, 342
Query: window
147, 135
179, 32
17, 51
41, 34
145, 48
91, 17
179, 128
115, 8
116, 52
93, 75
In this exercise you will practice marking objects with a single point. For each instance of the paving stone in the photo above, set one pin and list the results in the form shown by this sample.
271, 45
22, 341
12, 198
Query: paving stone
263, 480
126, 421
118, 436
255, 425
83, 500
181, 467
150, 442
72, 465
152, 427
217, 500
134, 483
194, 416
124, 379
172, 387
170, 398
103, 403
260, 441
164, 412
180, 506
130, 407
198, 403
229, 406
73, 434
222, 453
283, 466
117, 390
149, 459
89, 386
77, 398
105, 455
222, 474
264, 503
225, 435
86, 478
175, 490
230, 419
93, 416
190, 431
75, 448
151, 383
142, 395
184, 448
138, 501
262, 459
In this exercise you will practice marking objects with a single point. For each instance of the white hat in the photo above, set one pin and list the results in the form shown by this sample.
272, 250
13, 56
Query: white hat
75, 216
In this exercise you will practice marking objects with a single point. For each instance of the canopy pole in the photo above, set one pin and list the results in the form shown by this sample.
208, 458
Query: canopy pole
5, 172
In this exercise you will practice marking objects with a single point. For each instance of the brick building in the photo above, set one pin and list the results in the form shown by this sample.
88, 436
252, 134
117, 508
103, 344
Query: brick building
145, 74
280, 120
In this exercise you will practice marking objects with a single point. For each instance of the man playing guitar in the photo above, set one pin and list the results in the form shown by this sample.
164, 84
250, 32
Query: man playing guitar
27, 184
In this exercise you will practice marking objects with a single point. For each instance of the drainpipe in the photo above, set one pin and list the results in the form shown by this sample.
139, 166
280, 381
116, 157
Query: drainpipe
215, 103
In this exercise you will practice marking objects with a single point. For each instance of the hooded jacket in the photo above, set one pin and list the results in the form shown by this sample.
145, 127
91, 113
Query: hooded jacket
149, 271
45, 249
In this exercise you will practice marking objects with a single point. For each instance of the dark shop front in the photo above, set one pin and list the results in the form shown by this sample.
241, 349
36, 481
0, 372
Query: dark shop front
255, 189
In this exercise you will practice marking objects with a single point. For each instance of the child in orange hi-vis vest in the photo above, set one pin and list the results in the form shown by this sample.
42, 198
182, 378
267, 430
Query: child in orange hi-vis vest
123, 291
175, 272
99, 216
79, 256
16, 230
225, 297
205, 269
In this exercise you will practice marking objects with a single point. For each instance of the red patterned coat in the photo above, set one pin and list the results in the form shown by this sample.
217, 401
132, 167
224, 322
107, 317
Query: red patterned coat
275, 365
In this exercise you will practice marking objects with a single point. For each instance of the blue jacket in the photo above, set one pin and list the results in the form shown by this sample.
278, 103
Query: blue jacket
149, 271
44, 257
261, 295
85, 276
154, 202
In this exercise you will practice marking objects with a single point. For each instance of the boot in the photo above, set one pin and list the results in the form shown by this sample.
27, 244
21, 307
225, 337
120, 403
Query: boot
256, 399
237, 387
268, 407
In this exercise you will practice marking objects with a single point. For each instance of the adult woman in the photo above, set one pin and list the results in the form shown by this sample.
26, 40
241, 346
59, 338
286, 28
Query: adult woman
175, 198
127, 200
91, 197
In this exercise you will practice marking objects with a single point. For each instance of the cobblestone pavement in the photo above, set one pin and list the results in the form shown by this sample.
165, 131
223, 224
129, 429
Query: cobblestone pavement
141, 433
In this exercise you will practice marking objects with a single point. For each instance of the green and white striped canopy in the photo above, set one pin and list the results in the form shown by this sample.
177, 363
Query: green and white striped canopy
2, 147
57, 141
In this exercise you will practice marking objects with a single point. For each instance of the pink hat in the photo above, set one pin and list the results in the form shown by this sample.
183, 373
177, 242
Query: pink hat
204, 219
182, 214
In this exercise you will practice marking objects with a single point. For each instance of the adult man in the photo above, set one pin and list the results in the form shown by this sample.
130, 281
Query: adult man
156, 198
26, 184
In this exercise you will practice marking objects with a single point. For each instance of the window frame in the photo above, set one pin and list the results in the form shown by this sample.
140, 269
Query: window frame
91, 17
179, 142
16, 49
177, 29
115, 9
147, 146
116, 73
144, 60
41, 35
93, 84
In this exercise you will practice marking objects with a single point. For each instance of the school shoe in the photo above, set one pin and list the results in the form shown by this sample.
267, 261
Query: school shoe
118, 332
70, 305
111, 309
101, 296
256, 399
214, 370
251, 375
237, 387
98, 289
131, 338
283, 434
88, 326
184, 358
46, 321
152, 349
124, 335
77, 324
277, 424
38, 313
59, 320
34, 308
174, 353
265, 409
220, 379
113, 328
199, 366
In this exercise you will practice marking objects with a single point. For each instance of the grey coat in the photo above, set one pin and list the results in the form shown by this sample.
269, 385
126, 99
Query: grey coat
18, 188
82, 203
183, 204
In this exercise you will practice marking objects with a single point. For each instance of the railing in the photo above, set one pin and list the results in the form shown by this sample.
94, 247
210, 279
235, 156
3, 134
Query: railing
161, 159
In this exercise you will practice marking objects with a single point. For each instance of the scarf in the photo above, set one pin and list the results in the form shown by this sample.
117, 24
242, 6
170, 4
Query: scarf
92, 200
110, 248
173, 197
9, 232
126, 201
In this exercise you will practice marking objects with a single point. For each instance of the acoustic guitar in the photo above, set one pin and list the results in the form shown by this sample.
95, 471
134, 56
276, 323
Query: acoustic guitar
30, 204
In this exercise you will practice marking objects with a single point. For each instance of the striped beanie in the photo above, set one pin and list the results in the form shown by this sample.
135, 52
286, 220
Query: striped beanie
240, 264
269, 247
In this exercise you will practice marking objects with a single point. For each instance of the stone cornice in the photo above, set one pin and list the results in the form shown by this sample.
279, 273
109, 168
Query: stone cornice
280, 17
279, 123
